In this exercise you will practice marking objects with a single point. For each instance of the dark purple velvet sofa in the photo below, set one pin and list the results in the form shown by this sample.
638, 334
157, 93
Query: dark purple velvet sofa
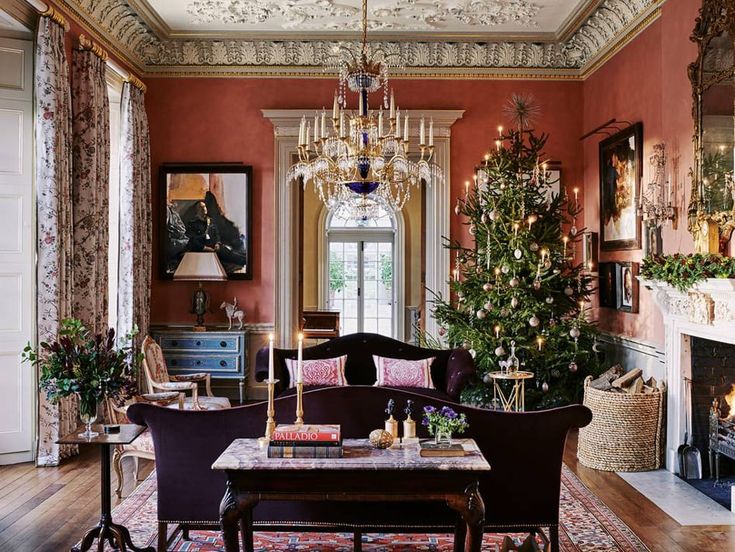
521, 493
451, 371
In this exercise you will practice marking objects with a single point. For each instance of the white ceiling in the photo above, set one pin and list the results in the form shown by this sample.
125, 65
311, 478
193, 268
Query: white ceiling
312, 18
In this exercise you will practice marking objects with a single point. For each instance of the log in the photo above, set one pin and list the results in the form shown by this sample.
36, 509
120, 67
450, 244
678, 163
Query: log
627, 379
636, 386
604, 381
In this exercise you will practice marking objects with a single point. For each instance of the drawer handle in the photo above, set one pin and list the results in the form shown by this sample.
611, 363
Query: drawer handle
174, 343
199, 343
223, 363
199, 362
223, 343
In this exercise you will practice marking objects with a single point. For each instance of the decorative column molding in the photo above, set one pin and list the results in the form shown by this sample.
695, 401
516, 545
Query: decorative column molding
285, 130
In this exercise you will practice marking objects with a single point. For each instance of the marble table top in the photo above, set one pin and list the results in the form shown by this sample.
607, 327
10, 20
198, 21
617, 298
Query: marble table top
246, 454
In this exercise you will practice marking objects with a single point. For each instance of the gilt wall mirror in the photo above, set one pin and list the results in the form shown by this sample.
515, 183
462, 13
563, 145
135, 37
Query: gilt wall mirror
712, 204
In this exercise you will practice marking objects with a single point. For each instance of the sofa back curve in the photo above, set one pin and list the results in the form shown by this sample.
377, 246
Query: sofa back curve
450, 370
524, 450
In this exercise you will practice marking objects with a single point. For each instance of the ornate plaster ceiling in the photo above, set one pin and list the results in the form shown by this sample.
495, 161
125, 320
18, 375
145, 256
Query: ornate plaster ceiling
547, 38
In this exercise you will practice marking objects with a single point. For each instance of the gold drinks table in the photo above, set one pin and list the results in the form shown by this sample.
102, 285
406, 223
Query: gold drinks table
515, 399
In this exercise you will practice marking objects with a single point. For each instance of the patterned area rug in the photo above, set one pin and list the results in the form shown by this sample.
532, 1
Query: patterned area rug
587, 525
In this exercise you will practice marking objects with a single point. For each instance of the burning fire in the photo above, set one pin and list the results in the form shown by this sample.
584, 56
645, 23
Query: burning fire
730, 400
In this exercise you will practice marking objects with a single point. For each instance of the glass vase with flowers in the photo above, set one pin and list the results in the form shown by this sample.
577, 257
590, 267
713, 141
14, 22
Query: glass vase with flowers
91, 366
443, 423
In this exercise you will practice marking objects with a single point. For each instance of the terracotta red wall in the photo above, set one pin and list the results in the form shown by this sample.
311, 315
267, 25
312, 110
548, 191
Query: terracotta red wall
198, 119
646, 81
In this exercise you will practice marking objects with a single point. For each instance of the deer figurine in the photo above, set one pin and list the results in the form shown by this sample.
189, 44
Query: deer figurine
233, 312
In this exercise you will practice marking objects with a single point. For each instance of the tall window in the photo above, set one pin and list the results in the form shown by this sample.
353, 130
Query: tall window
361, 275
114, 91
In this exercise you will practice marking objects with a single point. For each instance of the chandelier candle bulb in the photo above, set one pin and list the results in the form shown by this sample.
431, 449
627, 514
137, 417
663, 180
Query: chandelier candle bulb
392, 114
316, 127
422, 132
335, 109
324, 125
380, 123
431, 133
405, 129
398, 123
308, 135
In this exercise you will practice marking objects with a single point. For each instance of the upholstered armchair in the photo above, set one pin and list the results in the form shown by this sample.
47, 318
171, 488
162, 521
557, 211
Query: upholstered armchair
142, 447
159, 380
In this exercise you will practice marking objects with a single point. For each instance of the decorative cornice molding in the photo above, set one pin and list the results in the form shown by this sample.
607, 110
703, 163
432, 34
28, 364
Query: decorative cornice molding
612, 22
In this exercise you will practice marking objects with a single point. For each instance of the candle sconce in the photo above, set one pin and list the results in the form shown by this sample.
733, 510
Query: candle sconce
657, 201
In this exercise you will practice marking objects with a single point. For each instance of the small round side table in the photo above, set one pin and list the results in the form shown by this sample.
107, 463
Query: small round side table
515, 400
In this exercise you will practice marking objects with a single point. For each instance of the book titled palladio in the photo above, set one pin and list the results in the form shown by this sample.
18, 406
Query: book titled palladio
306, 441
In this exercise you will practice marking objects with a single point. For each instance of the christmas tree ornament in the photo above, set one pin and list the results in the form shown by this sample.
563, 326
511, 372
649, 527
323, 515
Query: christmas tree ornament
499, 351
514, 302
514, 282
545, 387
573, 231
473, 353
493, 216
487, 286
547, 264
537, 284
505, 269
596, 347
480, 314
488, 306
457, 208
483, 218
442, 331
555, 373
518, 254
549, 300
574, 332
473, 230
487, 379
568, 291
573, 367
504, 313
466, 345
534, 321
460, 294
533, 247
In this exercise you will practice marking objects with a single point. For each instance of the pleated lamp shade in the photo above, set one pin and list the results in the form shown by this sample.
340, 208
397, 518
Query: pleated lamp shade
200, 266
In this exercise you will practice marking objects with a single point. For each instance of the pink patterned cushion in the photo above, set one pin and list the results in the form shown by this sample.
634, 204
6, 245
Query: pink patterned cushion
399, 372
324, 371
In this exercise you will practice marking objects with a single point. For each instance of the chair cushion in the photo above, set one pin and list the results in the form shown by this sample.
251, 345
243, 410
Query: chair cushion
324, 371
143, 443
207, 403
401, 372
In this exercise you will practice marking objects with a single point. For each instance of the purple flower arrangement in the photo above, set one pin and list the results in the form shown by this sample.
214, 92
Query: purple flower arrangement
444, 420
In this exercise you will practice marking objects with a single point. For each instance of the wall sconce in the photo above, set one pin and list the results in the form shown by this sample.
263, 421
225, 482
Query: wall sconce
657, 200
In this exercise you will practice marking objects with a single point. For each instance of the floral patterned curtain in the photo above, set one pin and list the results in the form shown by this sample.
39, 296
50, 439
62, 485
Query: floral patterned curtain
54, 212
135, 215
90, 187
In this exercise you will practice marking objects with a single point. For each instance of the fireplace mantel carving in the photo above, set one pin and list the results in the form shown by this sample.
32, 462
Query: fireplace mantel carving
710, 302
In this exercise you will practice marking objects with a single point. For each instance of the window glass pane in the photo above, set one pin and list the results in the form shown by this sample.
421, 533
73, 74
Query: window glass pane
349, 326
114, 91
370, 325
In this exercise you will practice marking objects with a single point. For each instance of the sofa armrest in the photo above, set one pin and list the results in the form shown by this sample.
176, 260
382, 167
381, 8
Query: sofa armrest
460, 372
261, 368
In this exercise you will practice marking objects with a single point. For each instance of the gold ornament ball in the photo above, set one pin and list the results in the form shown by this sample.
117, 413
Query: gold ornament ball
381, 439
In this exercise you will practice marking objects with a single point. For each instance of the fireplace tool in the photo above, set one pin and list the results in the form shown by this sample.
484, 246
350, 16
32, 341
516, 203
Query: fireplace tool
690, 460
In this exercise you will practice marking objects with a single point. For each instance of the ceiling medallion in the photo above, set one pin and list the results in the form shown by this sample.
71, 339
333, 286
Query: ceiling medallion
363, 155
330, 15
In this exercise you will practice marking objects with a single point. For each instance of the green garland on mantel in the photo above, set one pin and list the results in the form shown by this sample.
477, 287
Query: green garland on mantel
685, 271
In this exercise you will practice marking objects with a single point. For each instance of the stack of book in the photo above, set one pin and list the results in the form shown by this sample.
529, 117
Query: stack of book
306, 441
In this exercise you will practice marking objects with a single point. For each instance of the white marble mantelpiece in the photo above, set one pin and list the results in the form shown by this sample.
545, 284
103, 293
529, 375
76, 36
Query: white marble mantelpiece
706, 311
246, 454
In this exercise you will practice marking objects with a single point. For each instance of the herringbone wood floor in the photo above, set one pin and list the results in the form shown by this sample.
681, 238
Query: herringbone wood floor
49, 509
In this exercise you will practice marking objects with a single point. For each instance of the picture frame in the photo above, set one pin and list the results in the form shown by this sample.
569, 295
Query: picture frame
621, 169
627, 286
607, 285
206, 207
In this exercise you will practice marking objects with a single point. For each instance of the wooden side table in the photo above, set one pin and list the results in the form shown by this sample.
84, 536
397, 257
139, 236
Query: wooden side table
515, 400
117, 535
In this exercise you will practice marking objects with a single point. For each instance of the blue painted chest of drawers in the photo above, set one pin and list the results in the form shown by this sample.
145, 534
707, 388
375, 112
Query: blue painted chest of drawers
220, 352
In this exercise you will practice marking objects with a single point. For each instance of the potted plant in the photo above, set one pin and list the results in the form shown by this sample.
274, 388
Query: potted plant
442, 424
90, 366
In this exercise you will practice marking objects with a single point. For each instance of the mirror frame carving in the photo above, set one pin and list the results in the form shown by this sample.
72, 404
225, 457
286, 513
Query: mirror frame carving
711, 231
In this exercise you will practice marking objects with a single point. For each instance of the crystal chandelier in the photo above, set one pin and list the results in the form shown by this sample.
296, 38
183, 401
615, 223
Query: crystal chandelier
363, 153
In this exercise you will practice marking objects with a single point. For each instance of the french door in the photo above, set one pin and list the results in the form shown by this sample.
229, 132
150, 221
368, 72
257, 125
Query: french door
361, 281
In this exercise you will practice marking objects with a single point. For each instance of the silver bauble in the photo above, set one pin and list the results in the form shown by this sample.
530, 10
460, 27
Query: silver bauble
473, 230
442, 331
514, 282
457, 209
493, 214
549, 300
596, 347
574, 332
547, 264
504, 313
488, 306
514, 302
534, 321
481, 314
557, 271
573, 231
518, 254
483, 218
545, 387
473, 353
460, 294
573, 367
568, 291
505, 269
499, 351
486, 378
487, 286
533, 247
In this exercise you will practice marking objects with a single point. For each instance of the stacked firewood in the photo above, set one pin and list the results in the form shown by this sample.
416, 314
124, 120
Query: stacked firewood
616, 380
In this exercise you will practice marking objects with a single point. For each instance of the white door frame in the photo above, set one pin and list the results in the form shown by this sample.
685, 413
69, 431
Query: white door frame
285, 129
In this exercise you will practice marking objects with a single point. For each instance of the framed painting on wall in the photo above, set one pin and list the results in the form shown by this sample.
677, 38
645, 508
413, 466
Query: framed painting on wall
207, 207
627, 286
607, 285
621, 166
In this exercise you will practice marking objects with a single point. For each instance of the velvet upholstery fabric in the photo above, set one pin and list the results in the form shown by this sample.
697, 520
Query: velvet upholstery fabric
524, 449
451, 371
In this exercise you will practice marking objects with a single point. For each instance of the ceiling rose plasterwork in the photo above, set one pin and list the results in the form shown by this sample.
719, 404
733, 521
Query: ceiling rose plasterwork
328, 15
612, 20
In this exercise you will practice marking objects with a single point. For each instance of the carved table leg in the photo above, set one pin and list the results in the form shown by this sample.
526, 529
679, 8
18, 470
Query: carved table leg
460, 534
472, 509
229, 516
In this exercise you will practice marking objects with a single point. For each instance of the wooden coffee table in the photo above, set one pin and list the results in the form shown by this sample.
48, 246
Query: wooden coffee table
363, 474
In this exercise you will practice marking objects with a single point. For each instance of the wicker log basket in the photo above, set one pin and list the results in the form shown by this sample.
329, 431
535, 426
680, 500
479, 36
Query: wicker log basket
626, 432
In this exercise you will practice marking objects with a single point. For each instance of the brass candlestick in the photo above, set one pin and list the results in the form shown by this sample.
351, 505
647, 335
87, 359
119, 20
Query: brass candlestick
270, 424
299, 403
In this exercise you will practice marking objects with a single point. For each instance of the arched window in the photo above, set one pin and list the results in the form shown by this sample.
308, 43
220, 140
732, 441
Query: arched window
361, 269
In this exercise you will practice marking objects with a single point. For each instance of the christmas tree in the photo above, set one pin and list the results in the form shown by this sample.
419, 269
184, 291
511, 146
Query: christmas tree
519, 295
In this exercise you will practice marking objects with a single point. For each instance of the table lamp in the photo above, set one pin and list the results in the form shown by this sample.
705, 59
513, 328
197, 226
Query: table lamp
204, 266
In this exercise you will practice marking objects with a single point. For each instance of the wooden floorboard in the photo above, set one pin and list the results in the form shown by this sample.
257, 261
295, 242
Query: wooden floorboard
49, 509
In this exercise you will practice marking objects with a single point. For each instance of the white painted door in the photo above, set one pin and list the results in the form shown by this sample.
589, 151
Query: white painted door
17, 280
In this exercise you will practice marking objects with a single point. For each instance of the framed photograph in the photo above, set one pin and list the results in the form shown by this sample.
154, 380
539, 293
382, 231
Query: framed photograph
627, 287
607, 273
621, 166
207, 207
